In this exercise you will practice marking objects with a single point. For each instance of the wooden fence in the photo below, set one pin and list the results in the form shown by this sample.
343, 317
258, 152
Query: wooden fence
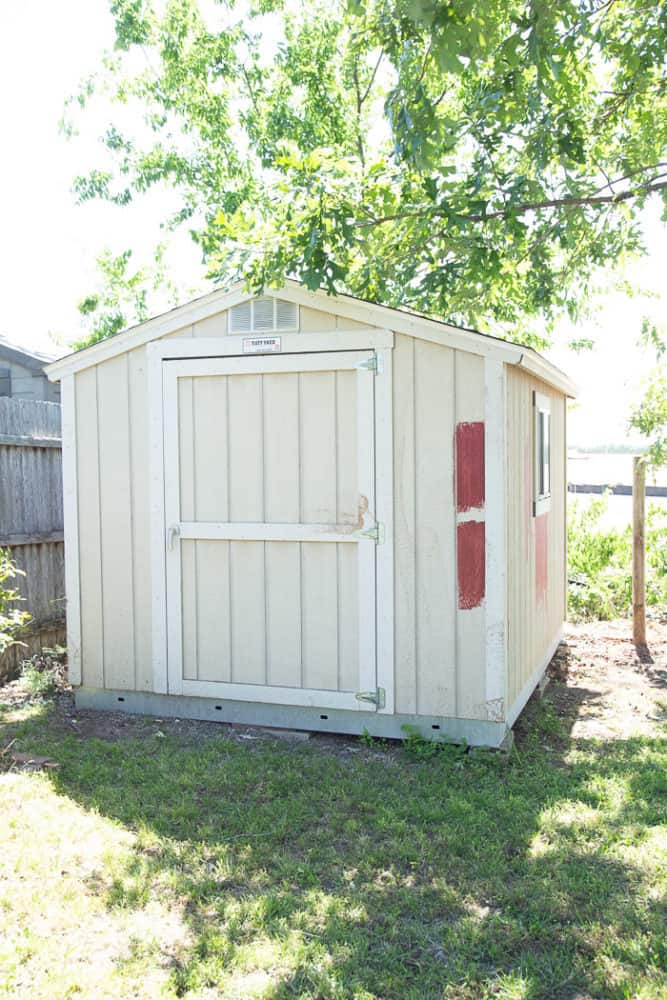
31, 518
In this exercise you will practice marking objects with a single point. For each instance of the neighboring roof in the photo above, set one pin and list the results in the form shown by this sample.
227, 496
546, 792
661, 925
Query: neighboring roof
399, 320
33, 360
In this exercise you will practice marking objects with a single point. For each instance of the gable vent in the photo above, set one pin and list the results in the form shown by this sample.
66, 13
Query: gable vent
260, 315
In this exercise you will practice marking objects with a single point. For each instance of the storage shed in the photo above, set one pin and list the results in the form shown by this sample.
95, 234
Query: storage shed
315, 512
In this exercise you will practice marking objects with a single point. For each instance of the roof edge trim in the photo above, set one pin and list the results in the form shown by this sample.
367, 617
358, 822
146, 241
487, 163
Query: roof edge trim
368, 313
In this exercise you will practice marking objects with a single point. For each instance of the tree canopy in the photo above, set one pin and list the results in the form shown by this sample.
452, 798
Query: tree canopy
478, 159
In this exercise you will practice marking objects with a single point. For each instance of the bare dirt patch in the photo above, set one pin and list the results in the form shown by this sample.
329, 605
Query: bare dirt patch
605, 686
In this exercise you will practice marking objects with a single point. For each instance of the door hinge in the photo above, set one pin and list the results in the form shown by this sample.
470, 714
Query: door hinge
376, 697
374, 364
375, 533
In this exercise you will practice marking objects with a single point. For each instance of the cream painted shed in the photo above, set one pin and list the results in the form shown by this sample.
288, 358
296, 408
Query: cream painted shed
315, 512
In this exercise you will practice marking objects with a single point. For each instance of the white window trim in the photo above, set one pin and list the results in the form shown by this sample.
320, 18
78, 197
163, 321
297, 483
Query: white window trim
541, 501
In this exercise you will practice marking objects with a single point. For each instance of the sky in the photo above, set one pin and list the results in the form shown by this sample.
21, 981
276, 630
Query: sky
49, 244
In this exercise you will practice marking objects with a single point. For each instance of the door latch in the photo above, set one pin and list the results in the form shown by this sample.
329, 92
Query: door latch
173, 533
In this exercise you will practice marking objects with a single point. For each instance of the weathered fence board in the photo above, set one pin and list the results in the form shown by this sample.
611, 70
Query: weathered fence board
31, 515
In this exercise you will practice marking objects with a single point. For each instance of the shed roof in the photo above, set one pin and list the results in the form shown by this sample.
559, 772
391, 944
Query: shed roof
348, 306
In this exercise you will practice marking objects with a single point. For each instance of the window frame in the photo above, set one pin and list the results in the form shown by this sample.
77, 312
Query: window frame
542, 464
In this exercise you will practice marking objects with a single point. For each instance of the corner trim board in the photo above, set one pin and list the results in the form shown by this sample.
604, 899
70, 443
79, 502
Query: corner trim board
71, 530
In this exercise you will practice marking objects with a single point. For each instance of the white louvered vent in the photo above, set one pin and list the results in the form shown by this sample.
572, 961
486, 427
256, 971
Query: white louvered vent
241, 318
261, 315
286, 317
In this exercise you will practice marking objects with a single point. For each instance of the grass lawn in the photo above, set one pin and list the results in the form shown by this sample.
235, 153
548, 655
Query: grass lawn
189, 860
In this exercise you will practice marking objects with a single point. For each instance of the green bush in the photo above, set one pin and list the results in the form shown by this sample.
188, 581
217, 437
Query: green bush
600, 563
11, 618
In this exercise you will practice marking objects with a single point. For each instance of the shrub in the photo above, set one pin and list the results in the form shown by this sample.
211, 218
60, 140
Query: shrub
11, 618
600, 563
44, 673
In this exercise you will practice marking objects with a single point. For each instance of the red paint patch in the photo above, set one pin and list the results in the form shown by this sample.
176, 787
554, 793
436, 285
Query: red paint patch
541, 560
469, 465
470, 563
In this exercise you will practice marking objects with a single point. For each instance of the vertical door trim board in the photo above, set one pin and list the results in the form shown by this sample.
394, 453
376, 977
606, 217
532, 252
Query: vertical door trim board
384, 506
71, 526
172, 559
367, 553
305, 343
157, 530
496, 546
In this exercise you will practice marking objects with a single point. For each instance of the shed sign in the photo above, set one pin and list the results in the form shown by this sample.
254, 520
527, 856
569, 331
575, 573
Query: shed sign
261, 345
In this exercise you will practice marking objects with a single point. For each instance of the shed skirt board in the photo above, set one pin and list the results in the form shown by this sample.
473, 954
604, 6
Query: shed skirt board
475, 732
269, 492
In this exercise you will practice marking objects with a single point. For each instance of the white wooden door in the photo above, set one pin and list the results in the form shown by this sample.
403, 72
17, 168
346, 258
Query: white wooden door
270, 513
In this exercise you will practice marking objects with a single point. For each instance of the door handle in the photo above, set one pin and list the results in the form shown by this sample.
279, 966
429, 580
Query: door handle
172, 534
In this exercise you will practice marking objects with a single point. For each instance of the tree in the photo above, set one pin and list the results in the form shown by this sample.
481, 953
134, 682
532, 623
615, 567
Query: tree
649, 415
123, 296
479, 159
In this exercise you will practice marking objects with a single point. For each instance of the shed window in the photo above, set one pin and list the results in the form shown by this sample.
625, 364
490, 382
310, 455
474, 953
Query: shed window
542, 453
5, 381
262, 315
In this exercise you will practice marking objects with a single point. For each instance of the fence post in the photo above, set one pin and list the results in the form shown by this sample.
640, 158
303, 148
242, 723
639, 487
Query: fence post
638, 551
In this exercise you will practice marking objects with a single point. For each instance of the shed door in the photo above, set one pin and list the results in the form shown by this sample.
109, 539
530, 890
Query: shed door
269, 486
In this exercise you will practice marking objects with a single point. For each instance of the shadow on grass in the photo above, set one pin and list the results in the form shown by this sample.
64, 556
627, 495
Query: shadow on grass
312, 872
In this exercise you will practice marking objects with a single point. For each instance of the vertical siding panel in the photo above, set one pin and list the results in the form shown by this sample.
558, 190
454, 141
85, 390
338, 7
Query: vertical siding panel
533, 620
471, 622
347, 487
116, 522
283, 613
188, 550
213, 326
209, 446
246, 503
318, 450
281, 500
348, 617
246, 460
248, 612
212, 610
319, 615
349, 324
281, 447
185, 331
404, 526
90, 549
347, 500
319, 587
141, 555
315, 320
435, 523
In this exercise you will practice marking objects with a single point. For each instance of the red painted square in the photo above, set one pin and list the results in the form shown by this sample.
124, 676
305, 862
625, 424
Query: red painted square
470, 563
469, 465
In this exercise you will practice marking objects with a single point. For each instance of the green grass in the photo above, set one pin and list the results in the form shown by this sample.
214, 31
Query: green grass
159, 866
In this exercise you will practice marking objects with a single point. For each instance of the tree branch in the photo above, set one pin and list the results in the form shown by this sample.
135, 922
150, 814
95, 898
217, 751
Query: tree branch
372, 79
530, 206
